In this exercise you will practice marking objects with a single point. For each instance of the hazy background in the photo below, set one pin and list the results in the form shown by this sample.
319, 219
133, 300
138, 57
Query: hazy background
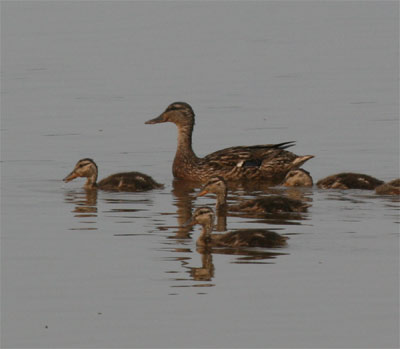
80, 78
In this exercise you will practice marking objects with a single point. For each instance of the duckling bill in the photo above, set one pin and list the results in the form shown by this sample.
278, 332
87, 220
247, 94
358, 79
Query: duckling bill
124, 181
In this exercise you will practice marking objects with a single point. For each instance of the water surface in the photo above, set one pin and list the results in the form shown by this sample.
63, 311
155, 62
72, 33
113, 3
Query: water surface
118, 270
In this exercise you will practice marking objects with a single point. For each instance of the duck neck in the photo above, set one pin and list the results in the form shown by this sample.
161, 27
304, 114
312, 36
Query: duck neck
184, 156
221, 201
205, 236
185, 140
91, 181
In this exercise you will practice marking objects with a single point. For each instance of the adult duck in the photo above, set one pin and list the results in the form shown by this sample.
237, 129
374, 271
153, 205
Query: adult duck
270, 162
124, 181
268, 204
239, 238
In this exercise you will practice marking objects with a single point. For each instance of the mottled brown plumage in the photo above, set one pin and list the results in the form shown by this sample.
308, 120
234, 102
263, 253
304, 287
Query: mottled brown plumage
389, 188
268, 204
269, 162
240, 238
125, 181
298, 178
348, 180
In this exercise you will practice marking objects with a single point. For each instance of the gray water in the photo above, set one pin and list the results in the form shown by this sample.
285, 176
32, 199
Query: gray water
117, 270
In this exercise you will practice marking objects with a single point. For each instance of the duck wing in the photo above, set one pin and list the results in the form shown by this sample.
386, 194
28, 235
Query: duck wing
244, 156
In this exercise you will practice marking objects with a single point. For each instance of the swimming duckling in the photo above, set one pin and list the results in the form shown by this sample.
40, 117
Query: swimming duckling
125, 181
268, 204
348, 180
389, 188
298, 178
240, 238
268, 162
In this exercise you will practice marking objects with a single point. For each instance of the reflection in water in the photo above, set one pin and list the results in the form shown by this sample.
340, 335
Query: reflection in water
206, 271
275, 218
203, 275
184, 192
85, 202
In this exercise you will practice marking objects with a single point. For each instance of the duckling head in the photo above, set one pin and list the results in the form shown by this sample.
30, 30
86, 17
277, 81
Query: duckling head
204, 216
215, 185
180, 113
298, 178
84, 168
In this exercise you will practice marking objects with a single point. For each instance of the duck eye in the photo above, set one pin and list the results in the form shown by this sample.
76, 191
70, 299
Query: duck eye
172, 107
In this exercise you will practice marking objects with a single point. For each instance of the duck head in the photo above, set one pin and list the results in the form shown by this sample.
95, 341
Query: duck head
180, 113
84, 168
217, 186
204, 216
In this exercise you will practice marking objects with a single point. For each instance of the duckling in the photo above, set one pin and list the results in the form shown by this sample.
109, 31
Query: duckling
270, 162
269, 204
348, 180
125, 181
389, 188
298, 178
240, 238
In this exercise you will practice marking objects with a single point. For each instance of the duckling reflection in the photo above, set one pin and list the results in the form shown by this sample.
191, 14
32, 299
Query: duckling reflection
206, 271
240, 238
182, 191
125, 181
85, 201
269, 204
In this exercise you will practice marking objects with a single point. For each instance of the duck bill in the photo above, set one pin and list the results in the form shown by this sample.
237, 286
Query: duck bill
202, 193
70, 177
157, 120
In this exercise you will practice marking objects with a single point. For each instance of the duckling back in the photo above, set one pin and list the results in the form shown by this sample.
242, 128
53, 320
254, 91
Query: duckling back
271, 204
129, 181
249, 238
348, 180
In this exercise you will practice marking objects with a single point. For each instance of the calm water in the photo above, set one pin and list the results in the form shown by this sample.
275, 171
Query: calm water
117, 270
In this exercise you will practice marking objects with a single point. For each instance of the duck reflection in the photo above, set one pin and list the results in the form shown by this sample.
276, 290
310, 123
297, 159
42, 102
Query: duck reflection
85, 206
85, 202
205, 273
183, 191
